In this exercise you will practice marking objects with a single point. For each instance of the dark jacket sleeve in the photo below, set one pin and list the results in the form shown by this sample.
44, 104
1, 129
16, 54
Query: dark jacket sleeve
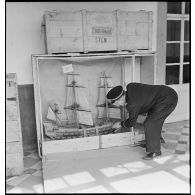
133, 115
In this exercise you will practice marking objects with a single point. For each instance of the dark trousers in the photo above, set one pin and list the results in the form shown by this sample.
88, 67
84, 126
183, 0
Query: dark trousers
156, 117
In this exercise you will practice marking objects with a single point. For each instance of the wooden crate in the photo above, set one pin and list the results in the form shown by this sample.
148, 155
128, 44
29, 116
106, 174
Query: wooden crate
134, 30
64, 31
95, 31
100, 33
14, 149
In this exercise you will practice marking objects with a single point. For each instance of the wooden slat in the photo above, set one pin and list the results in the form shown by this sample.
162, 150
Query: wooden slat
135, 30
119, 139
11, 110
71, 145
12, 131
13, 148
64, 31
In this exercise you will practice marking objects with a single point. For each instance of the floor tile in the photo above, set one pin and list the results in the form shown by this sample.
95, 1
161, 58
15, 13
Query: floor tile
179, 152
9, 187
185, 130
174, 130
17, 180
183, 170
30, 171
29, 162
27, 153
31, 183
38, 173
184, 138
169, 145
34, 155
170, 140
181, 147
19, 190
37, 166
147, 184
171, 136
182, 142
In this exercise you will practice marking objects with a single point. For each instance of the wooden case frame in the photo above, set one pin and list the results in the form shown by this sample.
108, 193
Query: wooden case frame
86, 143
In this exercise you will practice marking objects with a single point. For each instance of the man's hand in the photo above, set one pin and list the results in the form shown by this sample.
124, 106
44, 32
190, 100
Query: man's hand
116, 125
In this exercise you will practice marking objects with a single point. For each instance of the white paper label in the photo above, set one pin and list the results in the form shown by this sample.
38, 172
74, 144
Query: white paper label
67, 68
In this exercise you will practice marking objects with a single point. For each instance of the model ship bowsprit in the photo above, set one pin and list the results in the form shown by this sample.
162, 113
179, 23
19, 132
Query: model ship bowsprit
74, 120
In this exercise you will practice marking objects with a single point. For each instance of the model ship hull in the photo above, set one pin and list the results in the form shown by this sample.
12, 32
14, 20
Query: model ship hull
52, 131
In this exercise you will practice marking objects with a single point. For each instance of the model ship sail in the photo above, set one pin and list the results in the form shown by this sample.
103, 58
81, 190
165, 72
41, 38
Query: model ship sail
77, 106
56, 113
50, 114
105, 110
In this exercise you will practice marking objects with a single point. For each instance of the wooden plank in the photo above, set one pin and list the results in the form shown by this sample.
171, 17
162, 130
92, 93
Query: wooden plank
135, 30
37, 100
11, 110
64, 31
13, 148
119, 139
71, 145
12, 131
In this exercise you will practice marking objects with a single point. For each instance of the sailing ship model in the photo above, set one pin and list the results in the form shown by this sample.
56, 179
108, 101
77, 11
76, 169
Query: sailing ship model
69, 121
75, 120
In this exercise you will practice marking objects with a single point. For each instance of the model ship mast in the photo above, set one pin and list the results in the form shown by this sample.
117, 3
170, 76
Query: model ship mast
79, 106
106, 111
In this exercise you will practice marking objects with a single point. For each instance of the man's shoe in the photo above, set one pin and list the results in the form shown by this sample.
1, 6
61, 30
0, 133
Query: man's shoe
152, 155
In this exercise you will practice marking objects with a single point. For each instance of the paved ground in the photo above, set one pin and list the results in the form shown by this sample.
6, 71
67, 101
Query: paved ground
116, 170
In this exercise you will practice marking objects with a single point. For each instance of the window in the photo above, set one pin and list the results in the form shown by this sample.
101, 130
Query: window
187, 7
173, 30
186, 73
186, 31
174, 8
172, 75
178, 43
173, 53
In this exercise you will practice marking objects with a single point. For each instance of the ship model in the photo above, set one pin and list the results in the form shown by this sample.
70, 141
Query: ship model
74, 120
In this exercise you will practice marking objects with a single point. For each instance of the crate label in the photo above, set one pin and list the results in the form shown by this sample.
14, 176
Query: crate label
100, 39
67, 68
102, 30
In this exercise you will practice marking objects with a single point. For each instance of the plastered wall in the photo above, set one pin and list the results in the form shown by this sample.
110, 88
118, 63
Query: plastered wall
25, 37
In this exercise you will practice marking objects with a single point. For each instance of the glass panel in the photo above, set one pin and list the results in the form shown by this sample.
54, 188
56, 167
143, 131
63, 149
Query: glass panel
174, 7
187, 7
173, 30
173, 53
172, 74
186, 73
186, 57
186, 31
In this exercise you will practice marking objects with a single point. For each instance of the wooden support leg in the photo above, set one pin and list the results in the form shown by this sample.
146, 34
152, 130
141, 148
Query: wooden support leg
133, 133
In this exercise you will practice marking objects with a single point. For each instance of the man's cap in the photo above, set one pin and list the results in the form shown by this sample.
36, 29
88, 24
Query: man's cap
115, 93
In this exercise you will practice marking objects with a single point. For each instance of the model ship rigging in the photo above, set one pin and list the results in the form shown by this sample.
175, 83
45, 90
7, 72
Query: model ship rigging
75, 120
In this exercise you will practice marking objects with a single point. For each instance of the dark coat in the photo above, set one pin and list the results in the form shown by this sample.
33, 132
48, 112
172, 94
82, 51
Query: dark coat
144, 98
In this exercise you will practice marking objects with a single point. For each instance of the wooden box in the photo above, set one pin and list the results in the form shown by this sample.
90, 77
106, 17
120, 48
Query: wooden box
134, 30
95, 31
64, 31
100, 33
